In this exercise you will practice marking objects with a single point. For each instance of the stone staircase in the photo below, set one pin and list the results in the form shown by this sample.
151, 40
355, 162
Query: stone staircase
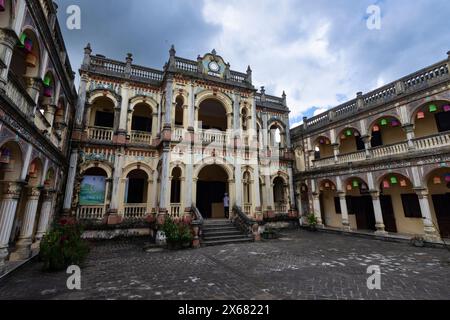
220, 232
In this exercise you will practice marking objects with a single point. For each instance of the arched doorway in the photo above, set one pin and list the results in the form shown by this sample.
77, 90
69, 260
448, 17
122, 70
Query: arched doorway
212, 185
360, 204
350, 141
386, 131
212, 115
439, 190
330, 207
279, 195
136, 188
432, 118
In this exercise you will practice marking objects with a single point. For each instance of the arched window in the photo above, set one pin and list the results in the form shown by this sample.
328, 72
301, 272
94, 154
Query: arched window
387, 130
136, 188
102, 114
25, 62
179, 111
142, 118
244, 119
247, 188
212, 115
175, 190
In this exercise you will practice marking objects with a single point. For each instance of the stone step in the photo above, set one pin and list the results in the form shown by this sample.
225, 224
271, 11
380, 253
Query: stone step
223, 242
224, 238
221, 233
215, 228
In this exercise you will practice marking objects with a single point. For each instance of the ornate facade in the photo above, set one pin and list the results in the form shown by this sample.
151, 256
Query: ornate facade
150, 143
37, 103
381, 162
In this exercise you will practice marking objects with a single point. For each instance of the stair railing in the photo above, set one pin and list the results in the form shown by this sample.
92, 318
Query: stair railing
246, 224
197, 226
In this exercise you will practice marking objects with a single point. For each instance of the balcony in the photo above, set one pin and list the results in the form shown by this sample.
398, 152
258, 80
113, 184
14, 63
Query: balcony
19, 96
211, 136
175, 210
100, 134
141, 137
90, 212
420, 144
135, 211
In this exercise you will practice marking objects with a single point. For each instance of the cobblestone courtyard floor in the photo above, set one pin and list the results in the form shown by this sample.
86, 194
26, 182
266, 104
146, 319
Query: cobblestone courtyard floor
301, 265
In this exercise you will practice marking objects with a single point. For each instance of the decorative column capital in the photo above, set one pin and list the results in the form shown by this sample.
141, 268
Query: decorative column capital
421, 192
12, 190
341, 194
34, 193
375, 194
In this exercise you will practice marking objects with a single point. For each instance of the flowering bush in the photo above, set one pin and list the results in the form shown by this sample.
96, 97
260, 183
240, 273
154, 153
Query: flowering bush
63, 246
178, 233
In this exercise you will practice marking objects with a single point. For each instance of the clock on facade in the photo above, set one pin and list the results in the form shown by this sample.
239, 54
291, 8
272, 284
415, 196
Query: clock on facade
214, 66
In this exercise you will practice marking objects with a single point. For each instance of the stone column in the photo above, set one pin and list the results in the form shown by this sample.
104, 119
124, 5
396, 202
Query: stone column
291, 188
154, 124
124, 108
409, 129
165, 183
8, 40
44, 218
118, 166
344, 211
379, 223
8, 206
70, 182
50, 114
191, 107
34, 86
336, 151
317, 210
189, 177
269, 193
256, 190
431, 234
81, 101
23, 246
238, 179
367, 145
169, 98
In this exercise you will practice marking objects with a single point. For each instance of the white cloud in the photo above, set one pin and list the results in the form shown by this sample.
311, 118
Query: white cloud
320, 50
287, 50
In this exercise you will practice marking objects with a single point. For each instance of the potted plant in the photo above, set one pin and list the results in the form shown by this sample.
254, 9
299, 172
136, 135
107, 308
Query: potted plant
312, 222
418, 241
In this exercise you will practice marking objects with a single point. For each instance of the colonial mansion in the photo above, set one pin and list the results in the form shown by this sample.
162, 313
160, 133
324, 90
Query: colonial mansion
137, 144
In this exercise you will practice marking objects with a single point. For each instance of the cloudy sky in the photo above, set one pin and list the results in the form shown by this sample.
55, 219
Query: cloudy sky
320, 52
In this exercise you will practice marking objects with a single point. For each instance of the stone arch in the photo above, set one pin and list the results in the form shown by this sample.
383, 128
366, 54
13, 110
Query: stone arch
178, 164
138, 166
11, 160
140, 99
111, 103
229, 168
423, 117
386, 129
283, 175
35, 172
90, 164
226, 100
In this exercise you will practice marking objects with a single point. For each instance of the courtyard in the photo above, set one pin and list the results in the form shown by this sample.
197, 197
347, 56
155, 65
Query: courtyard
299, 265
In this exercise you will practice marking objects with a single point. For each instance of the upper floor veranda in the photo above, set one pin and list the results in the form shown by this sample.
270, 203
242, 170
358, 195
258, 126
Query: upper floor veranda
124, 104
407, 118
36, 79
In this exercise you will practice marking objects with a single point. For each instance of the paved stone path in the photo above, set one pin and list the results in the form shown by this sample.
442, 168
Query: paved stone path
301, 265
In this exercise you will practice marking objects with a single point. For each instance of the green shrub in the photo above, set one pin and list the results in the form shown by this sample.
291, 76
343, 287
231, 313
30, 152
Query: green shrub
62, 246
177, 234
312, 220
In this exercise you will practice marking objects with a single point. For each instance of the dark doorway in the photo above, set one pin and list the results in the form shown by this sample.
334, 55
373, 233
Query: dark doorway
212, 185
376, 141
141, 124
443, 121
207, 194
441, 204
137, 187
388, 213
104, 119
365, 216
